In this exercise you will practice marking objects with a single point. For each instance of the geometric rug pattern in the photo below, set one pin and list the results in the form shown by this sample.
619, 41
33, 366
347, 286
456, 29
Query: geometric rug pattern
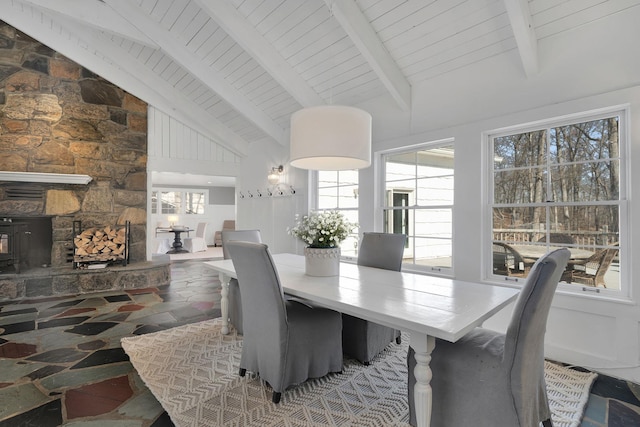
193, 372
568, 392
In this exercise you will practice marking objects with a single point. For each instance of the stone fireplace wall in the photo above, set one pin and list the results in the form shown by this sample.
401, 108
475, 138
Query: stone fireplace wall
58, 117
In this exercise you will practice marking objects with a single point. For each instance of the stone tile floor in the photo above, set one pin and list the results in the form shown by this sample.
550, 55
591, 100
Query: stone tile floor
61, 362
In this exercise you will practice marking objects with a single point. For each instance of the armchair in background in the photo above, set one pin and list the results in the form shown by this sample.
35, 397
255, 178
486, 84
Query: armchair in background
508, 262
592, 271
228, 224
197, 243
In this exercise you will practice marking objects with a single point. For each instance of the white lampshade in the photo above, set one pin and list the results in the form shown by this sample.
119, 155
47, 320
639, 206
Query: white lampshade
273, 178
331, 137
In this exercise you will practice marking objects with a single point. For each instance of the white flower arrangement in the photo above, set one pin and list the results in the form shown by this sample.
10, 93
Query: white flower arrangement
322, 229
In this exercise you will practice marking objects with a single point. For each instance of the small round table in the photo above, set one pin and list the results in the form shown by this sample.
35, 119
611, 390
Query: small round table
177, 242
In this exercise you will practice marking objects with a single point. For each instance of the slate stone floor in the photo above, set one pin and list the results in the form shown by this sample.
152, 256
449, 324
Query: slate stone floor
61, 362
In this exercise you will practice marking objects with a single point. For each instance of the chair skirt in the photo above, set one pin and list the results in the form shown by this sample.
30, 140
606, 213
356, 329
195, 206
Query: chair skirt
194, 244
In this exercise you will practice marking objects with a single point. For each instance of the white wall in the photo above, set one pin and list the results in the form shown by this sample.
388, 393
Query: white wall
271, 215
175, 147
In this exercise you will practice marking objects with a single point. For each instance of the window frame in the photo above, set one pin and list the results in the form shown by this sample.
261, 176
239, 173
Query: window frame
183, 200
314, 178
381, 197
488, 152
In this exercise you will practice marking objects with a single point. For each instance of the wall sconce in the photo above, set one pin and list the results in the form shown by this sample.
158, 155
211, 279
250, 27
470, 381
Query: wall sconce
274, 175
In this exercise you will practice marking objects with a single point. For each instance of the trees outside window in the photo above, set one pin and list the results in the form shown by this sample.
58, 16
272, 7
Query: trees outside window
559, 185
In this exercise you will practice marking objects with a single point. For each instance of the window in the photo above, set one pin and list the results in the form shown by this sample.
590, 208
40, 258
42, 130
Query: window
559, 185
194, 203
418, 202
338, 190
177, 202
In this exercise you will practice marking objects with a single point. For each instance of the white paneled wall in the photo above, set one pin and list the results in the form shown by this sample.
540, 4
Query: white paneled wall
172, 141
276, 215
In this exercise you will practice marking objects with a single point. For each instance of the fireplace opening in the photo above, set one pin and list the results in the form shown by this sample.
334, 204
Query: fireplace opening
25, 243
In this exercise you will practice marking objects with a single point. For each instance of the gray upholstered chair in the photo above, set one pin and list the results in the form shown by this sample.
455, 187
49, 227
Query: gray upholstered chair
362, 339
285, 341
493, 379
235, 301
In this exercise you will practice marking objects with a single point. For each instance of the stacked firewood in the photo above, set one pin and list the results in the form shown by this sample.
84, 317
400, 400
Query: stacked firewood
100, 244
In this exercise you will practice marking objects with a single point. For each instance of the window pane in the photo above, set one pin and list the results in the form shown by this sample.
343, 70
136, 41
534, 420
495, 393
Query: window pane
586, 141
586, 181
403, 186
194, 203
338, 190
348, 196
520, 186
435, 191
525, 149
433, 223
348, 177
154, 202
432, 252
171, 202
398, 221
408, 158
587, 226
419, 198
519, 224
327, 198
349, 246
573, 192
327, 179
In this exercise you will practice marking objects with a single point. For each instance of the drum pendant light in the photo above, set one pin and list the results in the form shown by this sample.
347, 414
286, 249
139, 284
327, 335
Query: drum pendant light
330, 137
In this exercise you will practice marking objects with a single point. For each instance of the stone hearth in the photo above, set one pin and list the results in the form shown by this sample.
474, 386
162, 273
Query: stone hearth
53, 281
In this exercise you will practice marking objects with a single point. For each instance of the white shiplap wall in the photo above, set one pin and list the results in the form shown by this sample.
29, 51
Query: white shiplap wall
175, 147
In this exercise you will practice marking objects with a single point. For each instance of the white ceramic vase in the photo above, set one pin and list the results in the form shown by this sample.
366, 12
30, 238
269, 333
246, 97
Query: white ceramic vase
322, 261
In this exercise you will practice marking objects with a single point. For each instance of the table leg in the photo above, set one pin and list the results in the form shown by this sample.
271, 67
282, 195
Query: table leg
177, 248
224, 302
422, 345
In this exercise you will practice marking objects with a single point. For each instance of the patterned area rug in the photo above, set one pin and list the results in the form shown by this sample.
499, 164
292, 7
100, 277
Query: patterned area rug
568, 392
193, 372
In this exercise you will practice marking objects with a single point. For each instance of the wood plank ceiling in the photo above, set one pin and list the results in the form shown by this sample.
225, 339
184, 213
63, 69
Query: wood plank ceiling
237, 69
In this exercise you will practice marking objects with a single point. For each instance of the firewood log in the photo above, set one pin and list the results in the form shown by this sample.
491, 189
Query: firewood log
100, 244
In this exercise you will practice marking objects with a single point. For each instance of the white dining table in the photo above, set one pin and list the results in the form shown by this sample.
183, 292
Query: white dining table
426, 307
